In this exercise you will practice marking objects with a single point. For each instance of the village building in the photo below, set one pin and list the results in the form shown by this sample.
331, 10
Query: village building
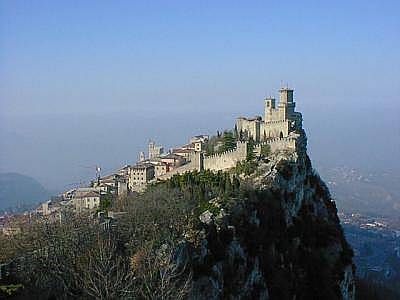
160, 168
173, 160
67, 195
116, 183
140, 175
86, 199
186, 153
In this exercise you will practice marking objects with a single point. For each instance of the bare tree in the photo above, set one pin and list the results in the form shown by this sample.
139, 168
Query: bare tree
136, 259
158, 275
106, 274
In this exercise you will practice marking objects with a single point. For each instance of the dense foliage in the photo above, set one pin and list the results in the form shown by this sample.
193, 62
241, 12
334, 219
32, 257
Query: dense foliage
221, 143
135, 255
132, 257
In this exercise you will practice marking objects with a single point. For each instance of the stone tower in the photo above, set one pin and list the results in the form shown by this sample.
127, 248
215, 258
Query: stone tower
280, 120
286, 104
142, 156
154, 151
269, 107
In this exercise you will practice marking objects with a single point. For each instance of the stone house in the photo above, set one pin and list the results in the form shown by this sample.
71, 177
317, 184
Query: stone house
86, 199
185, 153
140, 174
172, 160
160, 168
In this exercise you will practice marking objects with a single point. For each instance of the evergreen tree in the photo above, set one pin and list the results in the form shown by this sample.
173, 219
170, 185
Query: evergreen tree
250, 150
228, 141
236, 133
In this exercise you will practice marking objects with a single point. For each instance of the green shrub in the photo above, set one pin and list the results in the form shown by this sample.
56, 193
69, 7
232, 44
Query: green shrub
265, 150
246, 167
11, 289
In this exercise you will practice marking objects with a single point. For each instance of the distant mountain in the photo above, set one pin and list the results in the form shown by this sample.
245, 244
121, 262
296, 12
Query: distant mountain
17, 191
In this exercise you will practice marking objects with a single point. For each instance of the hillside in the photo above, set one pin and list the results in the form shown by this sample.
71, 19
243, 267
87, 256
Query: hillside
266, 229
17, 190
279, 240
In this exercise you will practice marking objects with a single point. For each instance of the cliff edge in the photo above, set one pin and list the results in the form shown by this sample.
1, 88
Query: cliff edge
279, 239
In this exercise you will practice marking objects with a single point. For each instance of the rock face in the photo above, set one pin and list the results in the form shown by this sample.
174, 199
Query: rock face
279, 240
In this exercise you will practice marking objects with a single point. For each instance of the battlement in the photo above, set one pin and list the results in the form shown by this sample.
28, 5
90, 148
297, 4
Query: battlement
279, 120
227, 159
290, 143
239, 145
276, 121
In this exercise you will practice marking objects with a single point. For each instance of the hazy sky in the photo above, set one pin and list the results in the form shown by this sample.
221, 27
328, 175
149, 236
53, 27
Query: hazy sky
88, 82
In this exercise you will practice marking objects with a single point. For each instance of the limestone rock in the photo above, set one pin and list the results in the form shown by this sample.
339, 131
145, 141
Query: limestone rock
286, 243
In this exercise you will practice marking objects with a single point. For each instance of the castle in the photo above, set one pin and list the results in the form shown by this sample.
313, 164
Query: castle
281, 129
279, 120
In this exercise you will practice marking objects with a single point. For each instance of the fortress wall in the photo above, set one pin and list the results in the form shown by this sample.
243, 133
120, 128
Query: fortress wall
193, 165
274, 128
252, 127
277, 144
227, 159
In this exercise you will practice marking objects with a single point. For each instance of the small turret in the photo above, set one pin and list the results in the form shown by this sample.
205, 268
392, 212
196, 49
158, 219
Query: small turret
142, 157
269, 103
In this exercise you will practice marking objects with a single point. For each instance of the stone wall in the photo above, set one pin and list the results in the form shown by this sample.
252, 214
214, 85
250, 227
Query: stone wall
249, 126
273, 129
229, 159
278, 144
216, 162
226, 160
194, 164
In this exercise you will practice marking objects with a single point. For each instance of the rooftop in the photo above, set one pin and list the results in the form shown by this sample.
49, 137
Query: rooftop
143, 166
171, 156
182, 150
255, 118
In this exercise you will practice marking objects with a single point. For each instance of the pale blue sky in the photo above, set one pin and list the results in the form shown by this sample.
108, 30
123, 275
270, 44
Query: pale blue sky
71, 70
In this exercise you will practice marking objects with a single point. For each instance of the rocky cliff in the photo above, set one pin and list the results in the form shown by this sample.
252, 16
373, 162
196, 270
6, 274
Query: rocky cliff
280, 239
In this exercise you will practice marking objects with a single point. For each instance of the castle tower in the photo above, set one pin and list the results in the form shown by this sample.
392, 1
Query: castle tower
280, 120
152, 145
286, 104
154, 151
269, 107
270, 102
286, 95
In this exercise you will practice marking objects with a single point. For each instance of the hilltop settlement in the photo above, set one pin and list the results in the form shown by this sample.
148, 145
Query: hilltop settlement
239, 215
280, 129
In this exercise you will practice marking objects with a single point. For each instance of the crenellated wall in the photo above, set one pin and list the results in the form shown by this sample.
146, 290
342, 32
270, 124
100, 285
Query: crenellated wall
278, 144
194, 164
229, 159
226, 160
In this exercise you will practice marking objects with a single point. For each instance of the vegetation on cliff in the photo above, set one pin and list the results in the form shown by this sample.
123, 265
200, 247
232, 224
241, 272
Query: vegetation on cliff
199, 235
